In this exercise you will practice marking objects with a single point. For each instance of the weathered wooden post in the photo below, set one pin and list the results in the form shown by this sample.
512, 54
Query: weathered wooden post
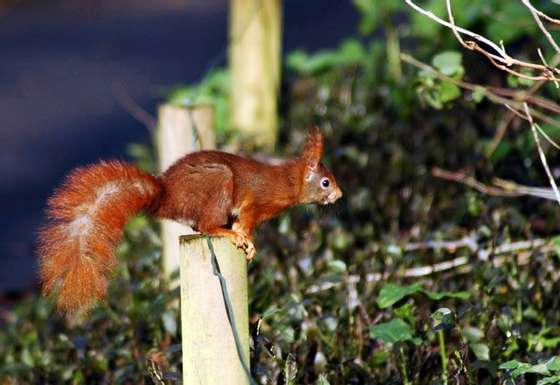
212, 346
214, 299
176, 137
213, 284
254, 63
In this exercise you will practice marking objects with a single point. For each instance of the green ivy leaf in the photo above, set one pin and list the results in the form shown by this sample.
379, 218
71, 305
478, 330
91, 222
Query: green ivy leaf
517, 368
478, 94
391, 293
448, 92
549, 380
437, 296
393, 331
322, 380
449, 63
406, 312
337, 266
481, 351
553, 364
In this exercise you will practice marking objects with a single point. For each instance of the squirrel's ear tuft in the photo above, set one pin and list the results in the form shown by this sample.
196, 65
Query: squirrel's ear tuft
313, 150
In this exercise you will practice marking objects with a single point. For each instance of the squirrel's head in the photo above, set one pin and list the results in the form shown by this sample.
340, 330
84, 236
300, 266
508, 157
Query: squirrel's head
319, 185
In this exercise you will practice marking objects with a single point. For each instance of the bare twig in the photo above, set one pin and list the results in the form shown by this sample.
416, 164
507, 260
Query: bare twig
515, 102
422, 271
461, 177
523, 249
482, 255
526, 96
537, 16
508, 119
541, 153
500, 133
501, 187
451, 246
500, 58
539, 192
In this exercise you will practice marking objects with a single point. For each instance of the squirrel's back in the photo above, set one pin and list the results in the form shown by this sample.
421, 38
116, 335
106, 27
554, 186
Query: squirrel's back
87, 216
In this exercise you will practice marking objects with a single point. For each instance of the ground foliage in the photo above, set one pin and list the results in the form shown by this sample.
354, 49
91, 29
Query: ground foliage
329, 300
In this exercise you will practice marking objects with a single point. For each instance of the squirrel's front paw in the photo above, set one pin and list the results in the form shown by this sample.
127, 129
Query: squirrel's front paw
245, 243
250, 250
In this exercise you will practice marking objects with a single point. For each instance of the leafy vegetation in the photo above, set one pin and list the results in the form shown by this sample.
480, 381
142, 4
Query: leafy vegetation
350, 294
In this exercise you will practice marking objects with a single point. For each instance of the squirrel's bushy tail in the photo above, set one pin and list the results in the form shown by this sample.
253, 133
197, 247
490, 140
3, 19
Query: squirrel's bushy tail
87, 216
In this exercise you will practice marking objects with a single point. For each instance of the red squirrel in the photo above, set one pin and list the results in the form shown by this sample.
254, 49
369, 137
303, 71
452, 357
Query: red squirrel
216, 193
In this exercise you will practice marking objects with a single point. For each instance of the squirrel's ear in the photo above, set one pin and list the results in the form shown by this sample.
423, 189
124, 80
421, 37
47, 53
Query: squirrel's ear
313, 148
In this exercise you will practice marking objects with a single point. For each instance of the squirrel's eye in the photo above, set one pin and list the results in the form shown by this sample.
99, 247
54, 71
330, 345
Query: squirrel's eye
325, 182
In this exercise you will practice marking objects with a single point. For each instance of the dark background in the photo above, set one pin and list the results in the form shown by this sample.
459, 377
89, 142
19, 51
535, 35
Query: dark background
64, 68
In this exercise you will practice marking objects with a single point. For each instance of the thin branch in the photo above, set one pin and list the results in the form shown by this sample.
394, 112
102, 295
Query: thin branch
541, 153
523, 249
526, 96
539, 192
508, 119
500, 59
482, 255
500, 187
537, 16
545, 135
504, 57
500, 133
461, 177
491, 93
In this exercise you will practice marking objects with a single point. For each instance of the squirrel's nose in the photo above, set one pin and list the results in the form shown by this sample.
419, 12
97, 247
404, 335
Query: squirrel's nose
338, 193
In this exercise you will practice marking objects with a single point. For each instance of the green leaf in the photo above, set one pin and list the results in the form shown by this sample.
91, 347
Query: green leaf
406, 312
290, 370
448, 63
337, 266
392, 332
553, 364
481, 351
423, 26
436, 296
473, 334
556, 242
538, 369
478, 94
350, 52
448, 92
381, 356
322, 380
374, 12
549, 380
517, 368
510, 22
369, 19
391, 293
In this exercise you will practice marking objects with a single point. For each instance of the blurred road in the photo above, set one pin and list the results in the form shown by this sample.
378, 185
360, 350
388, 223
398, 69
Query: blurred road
60, 64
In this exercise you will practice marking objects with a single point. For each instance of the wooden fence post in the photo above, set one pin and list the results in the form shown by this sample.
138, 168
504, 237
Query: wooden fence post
254, 63
211, 354
176, 137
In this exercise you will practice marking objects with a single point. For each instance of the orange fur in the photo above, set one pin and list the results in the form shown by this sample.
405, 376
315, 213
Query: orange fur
215, 192
87, 216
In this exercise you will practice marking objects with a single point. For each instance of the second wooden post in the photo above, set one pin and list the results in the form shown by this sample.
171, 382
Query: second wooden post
181, 130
